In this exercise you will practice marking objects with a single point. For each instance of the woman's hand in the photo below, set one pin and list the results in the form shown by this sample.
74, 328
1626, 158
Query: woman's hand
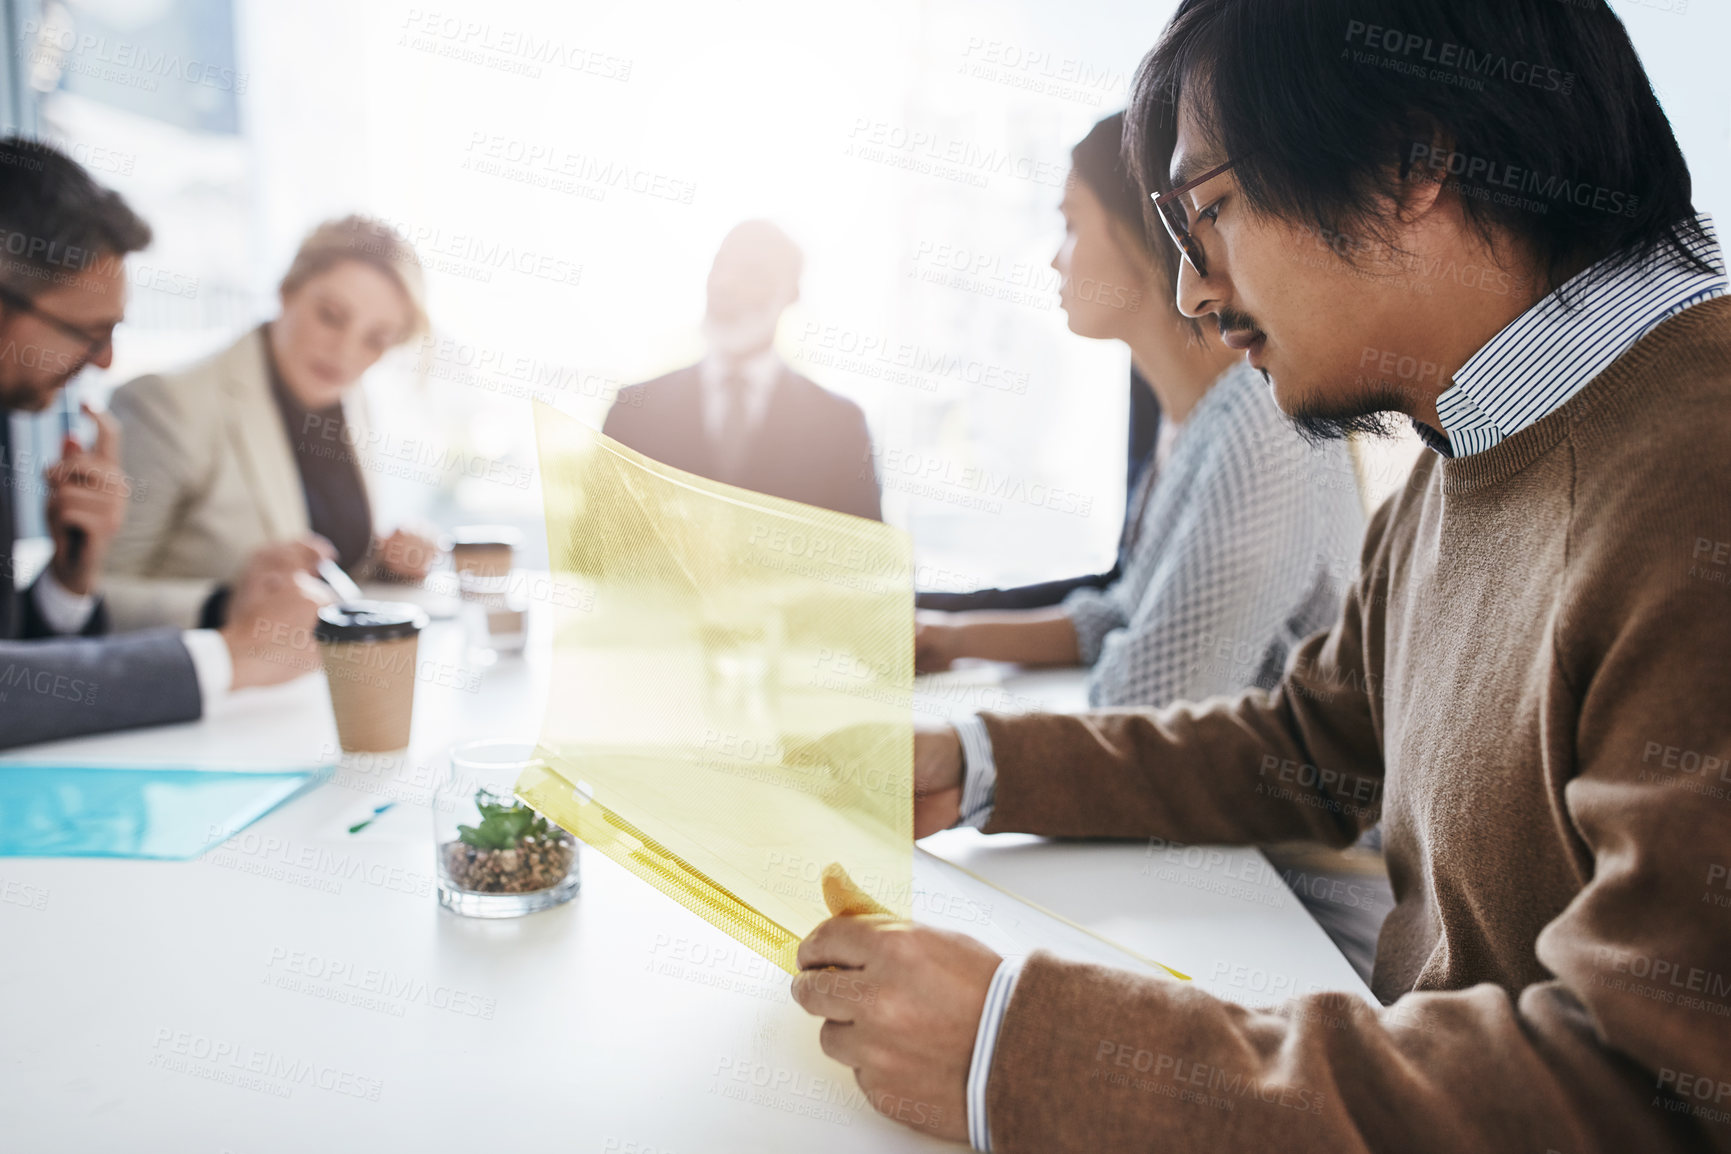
407, 555
937, 642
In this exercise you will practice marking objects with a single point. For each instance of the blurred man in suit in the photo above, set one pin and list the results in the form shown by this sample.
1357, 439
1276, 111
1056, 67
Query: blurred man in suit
740, 415
63, 245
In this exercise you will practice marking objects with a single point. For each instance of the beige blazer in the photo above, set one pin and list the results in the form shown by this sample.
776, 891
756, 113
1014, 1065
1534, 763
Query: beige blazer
214, 478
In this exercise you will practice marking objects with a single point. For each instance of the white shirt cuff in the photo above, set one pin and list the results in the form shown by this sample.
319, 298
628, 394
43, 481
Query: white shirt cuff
64, 611
211, 664
979, 772
985, 1043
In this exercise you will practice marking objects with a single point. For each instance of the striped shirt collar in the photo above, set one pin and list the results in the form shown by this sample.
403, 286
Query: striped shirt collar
1549, 353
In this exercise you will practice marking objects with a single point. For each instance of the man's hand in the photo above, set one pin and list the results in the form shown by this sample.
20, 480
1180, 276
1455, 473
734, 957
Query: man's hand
937, 641
407, 555
902, 1004
937, 777
274, 611
87, 493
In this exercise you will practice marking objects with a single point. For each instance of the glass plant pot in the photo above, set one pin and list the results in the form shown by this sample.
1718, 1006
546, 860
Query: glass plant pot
496, 857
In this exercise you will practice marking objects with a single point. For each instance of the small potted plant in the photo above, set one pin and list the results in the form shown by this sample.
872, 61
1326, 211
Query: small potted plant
510, 850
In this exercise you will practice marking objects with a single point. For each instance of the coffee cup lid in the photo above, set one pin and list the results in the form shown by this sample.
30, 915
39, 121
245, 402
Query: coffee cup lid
473, 535
369, 621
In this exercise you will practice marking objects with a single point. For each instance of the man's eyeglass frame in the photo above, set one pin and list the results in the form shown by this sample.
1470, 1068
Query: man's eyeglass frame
92, 345
1175, 215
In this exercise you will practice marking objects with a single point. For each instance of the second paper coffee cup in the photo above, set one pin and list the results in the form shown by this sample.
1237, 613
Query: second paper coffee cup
484, 552
369, 650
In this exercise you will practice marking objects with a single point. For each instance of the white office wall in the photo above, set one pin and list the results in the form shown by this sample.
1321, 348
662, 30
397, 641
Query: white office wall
914, 146
999, 433
755, 106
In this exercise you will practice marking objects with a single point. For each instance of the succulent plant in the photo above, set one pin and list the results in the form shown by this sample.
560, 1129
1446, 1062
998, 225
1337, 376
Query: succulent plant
505, 823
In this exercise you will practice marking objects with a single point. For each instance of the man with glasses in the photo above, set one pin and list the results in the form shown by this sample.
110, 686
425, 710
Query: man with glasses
1473, 214
62, 291
63, 245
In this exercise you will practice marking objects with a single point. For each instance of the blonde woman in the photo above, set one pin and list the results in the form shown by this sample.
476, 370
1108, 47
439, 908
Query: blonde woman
264, 441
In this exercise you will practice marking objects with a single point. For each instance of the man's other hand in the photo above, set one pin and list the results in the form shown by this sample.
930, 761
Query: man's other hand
937, 777
87, 496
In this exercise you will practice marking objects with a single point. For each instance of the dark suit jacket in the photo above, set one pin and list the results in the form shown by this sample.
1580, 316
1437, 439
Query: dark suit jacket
1144, 430
53, 687
811, 446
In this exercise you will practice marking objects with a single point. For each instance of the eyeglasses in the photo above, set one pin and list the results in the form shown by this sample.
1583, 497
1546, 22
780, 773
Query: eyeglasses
92, 344
1175, 215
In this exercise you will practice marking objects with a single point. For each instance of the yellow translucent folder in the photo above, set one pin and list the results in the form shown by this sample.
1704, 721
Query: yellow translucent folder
731, 704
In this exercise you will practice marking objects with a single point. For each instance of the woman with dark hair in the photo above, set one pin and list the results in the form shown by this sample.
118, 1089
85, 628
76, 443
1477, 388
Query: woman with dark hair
1240, 536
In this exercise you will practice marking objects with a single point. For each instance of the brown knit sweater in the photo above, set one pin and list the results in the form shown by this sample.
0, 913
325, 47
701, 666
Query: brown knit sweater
1531, 689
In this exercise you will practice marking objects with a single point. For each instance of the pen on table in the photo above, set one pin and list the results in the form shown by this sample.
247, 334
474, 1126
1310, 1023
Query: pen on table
75, 537
378, 811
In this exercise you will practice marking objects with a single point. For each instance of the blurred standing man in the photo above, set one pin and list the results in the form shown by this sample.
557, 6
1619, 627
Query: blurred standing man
63, 244
740, 415
1528, 686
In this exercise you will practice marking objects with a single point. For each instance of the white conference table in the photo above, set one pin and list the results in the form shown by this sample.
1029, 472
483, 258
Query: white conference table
298, 987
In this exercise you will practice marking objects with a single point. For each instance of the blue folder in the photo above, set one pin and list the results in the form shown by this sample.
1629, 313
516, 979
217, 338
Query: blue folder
176, 814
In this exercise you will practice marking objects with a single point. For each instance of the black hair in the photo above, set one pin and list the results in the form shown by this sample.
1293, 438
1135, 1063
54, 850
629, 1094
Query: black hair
1102, 161
55, 221
1538, 113
1099, 162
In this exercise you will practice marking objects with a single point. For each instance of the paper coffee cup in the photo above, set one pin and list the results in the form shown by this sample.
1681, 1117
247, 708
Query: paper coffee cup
484, 552
507, 626
369, 650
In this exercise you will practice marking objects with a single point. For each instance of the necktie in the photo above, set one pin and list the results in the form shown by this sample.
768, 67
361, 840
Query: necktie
733, 435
